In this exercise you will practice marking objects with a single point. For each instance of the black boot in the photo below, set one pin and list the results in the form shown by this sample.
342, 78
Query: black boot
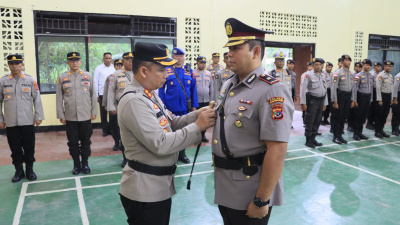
336, 140
116, 146
182, 157
370, 126
85, 165
395, 133
384, 134
315, 142
378, 134
77, 166
29, 171
342, 139
19, 173
356, 136
362, 136
309, 142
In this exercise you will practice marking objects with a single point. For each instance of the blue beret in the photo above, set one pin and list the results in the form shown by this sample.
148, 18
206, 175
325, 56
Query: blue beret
178, 51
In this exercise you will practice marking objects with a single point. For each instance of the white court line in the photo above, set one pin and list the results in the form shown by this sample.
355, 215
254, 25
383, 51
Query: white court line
71, 178
351, 149
18, 211
49, 192
82, 206
357, 168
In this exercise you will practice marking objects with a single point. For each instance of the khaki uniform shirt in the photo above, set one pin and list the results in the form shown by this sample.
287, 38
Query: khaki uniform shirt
105, 92
384, 84
374, 74
396, 86
342, 80
220, 77
154, 139
328, 78
293, 78
315, 84
363, 83
268, 116
214, 69
76, 98
18, 98
284, 77
204, 84
116, 87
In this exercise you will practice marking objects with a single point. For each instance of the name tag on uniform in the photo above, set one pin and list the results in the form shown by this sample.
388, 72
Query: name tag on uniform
159, 114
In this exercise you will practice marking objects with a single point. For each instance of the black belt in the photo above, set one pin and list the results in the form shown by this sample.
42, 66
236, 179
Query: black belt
346, 93
363, 94
154, 170
317, 98
383, 93
248, 163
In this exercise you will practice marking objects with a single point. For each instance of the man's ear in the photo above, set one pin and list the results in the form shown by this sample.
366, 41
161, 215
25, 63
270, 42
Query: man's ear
256, 52
143, 71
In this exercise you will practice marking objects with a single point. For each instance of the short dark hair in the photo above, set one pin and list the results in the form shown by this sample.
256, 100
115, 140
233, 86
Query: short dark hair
136, 64
254, 43
107, 53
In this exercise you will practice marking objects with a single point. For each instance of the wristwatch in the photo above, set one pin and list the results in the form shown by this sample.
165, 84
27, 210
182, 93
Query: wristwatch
258, 202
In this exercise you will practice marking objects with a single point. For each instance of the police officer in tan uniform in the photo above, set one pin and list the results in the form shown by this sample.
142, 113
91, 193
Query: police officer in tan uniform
153, 136
290, 70
328, 74
116, 87
19, 94
310, 67
221, 76
114, 129
76, 104
251, 134
284, 77
396, 106
215, 66
374, 104
350, 119
384, 89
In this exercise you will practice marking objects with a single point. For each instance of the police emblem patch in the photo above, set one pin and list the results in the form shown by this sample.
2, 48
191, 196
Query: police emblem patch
163, 122
277, 112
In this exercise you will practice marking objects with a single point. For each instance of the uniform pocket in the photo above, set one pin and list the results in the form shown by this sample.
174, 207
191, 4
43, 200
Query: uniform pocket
8, 94
314, 84
26, 92
85, 86
67, 87
241, 119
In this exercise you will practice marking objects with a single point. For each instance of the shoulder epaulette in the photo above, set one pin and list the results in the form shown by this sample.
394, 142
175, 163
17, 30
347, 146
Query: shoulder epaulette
268, 79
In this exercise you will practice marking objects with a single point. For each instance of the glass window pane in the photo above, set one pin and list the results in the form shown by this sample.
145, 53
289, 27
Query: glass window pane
98, 46
395, 57
53, 56
168, 42
375, 55
269, 59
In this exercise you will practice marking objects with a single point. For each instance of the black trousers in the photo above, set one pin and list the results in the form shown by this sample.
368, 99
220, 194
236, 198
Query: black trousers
313, 116
293, 94
21, 140
350, 117
147, 213
328, 107
361, 112
372, 108
396, 115
79, 131
382, 112
339, 116
239, 217
103, 116
115, 128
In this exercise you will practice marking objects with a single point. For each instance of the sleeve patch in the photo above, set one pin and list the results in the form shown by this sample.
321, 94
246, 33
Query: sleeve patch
277, 112
275, 100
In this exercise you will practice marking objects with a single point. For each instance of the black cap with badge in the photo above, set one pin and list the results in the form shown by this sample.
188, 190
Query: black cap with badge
128, 55
377, 64
14, 59
153, 52
346, 57
118, 61
73, 56
388, 62
367, 61
310, 63
291, 61
238, 33
358, 64
319, 60
201, 59
329, 64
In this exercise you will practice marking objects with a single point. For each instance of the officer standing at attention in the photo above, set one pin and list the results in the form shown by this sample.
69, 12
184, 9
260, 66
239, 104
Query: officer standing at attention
204, 85
328, 77
280, 73
350, 120
313, 101
384, 89
341, 95
116, 88
76, 107
214, 67
221, 76
251, 135
19, 93
362, 95
113, 118
179, 93
290, 70
153, 136
396, 106
310, 67
100, 75
374, 104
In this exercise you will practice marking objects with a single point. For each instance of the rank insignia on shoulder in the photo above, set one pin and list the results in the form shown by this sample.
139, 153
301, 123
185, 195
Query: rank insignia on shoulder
251, 78
148, 93
268, 79
277, 112
155, 106
245, 101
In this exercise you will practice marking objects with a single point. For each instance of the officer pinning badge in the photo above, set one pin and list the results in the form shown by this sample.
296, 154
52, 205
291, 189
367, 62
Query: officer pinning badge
276, 100
155, 106
245, 101
277, 112
242, 108
251, 78
163, 122
238, 123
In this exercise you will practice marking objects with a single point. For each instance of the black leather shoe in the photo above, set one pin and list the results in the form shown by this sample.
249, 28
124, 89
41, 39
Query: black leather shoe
362, 136
310, 144
184, 159
322, 123
370, 127
327, 122
205, 139
31, 175
384, 134
76, 170
85, 168
337, 140
396, 133
350, 129
19, 174
104, 134
116, 147
315, 142
356, 137
342, 140
378, 135
124, 162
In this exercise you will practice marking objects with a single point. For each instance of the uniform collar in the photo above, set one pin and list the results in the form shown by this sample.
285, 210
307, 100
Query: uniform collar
250, 79
22, 76
80, 72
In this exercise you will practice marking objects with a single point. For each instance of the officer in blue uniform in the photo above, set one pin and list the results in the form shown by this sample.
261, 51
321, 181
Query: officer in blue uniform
180, 95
